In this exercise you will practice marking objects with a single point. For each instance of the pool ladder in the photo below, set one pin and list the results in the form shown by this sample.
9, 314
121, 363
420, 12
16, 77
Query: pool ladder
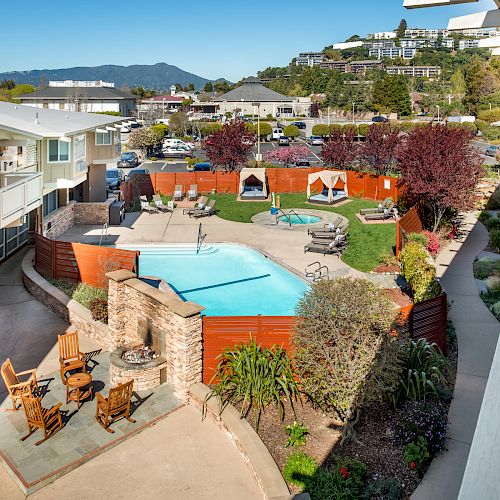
287, 215
316, 272
104, 233
201, 237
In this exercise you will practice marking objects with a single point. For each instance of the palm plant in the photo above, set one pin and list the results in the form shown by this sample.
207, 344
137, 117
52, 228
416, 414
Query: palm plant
254, 377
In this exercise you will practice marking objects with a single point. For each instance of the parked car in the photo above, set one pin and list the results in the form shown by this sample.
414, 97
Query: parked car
277, 133
113, 178
203, 167
303, 163
176, 142
136, 171
128, 160
380, 119
299, 125
315, 140
492, 150
176, 152
283, 141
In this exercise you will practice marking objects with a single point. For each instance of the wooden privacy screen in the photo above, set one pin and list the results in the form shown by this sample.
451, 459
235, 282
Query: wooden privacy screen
409, 223
280, 180
79, 262
220, 332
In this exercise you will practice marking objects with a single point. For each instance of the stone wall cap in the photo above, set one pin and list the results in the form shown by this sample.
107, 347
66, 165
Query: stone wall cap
175, 304
120, 275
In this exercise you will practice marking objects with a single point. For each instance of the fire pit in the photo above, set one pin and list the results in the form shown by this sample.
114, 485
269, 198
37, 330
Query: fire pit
140, 363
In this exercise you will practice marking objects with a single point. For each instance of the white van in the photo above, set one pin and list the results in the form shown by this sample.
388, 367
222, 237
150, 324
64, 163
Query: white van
167, 143
277, 133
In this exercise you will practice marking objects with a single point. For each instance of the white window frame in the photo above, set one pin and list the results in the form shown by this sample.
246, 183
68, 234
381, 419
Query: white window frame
110, 135
58, 152
80, 160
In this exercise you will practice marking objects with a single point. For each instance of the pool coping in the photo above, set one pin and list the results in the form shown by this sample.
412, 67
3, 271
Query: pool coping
266, 219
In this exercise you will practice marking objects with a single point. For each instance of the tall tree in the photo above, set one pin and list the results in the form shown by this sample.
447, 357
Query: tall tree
479, 82
440, 168
458, 85
390, 93
230, 146
402, 27
179, 123
289, 155
339, 150
208, 87
144, 139
378, 152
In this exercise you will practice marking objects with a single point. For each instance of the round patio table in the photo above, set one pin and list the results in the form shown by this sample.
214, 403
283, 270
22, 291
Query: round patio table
78, 388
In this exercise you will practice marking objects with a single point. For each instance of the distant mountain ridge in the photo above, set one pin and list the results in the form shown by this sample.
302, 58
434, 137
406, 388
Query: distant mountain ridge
159, 76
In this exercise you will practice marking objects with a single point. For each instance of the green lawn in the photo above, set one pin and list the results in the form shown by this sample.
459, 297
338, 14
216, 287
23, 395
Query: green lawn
367, 243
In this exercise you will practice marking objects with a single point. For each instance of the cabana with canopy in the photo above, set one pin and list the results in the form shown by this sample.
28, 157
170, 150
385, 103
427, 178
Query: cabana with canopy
253, 184
329, 194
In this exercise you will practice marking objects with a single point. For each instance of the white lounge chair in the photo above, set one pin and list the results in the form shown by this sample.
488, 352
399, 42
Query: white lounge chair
178, 192
169, 207
193, 192
146, 207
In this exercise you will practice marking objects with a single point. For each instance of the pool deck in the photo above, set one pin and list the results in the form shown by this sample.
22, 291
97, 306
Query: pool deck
284, 246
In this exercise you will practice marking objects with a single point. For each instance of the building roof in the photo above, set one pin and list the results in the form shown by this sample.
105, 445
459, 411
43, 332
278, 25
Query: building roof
253, 90
89, 93
369, 61
40, 122
164, 98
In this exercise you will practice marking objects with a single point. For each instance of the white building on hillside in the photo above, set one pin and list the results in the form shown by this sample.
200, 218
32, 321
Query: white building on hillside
382, 35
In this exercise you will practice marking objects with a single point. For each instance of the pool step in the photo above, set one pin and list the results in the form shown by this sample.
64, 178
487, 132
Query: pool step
186, 249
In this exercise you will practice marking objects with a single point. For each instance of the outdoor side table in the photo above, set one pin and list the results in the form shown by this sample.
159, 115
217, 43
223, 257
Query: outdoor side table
78, 388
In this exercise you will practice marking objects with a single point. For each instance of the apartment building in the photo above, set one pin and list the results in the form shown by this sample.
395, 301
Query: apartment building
468, 44
393, 52
342, 66
380, 44
364, 66
50, 160
426, 33
310, 59
420, 43
415, 71
382, 35
86, 96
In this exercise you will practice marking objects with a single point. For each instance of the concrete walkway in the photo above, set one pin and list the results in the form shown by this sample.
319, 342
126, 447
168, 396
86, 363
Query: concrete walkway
477, 333
182, 457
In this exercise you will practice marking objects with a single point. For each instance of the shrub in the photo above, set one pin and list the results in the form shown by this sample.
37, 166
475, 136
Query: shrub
493, 284
99, 310
296, 434
384, 488
255, 377
495, 309
494, 201
417, 454
335, 127
418, 238
432, 243
486, 267
291, 131
419, 272
66, 286
320, 129
427, 419
484, 216
489, 115
345, 352
363, 129
424, 373
299, 468
85, 293
492, 223
495, 239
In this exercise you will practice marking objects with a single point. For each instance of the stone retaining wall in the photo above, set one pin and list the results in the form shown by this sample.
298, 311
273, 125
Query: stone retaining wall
59, 303
92, 213
60, 221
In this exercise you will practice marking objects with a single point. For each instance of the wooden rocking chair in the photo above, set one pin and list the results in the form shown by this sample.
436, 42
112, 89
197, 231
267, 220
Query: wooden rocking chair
14, 386
70, 357
38, 417
115, 406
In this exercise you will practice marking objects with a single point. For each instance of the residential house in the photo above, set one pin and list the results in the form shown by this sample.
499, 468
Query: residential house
310, 59
382, 35
364, 66
342, 66
420, 43
50, 160
393, 52
85, 96
252, 98
415, 71
468, 44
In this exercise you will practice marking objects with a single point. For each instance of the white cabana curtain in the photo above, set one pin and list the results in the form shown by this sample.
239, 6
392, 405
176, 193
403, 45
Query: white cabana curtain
329, 179
258, 173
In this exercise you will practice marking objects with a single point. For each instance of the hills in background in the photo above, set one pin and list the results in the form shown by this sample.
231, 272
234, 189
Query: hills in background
158, 76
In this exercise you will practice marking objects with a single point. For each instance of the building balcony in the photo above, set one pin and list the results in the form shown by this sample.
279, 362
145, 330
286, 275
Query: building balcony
19, 194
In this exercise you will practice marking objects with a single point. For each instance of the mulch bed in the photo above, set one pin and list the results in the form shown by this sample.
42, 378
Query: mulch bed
387, 268
398, 297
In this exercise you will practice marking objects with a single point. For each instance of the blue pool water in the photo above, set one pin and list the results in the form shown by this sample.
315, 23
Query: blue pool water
299, 219
228, 280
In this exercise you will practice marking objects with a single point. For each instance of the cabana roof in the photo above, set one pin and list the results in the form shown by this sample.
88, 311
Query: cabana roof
329, 179
258, 173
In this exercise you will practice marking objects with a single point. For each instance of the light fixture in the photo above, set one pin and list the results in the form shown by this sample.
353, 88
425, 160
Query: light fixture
65, 139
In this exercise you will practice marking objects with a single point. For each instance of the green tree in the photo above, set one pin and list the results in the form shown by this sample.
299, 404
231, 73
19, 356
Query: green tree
143, 139
321, 129
190, 87
208, 87
400, 31
479, 82
7, 84
291, 131
179, 123
160, 129
458, 85
390, 94
265, 129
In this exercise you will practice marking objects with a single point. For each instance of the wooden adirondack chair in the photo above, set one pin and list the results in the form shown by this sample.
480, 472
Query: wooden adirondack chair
115, 406
70, 357
38, 417
14, 386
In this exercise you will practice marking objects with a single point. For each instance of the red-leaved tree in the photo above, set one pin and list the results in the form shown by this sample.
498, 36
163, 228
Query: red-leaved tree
230, 146
440, 168
378, 152
288, 155
339, 150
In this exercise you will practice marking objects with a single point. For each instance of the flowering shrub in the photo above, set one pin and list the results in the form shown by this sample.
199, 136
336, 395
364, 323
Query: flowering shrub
432, 242
417, 454
427, 419
296, 434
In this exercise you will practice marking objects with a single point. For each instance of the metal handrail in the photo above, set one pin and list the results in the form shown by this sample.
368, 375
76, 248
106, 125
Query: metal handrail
287, 215
200, 239
317, 273
104, 233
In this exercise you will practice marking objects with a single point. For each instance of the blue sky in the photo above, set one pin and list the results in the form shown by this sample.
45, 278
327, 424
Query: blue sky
211, 38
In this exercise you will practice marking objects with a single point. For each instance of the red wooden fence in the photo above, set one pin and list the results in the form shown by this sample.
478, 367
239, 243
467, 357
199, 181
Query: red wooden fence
79, 262
409, 223
220, 332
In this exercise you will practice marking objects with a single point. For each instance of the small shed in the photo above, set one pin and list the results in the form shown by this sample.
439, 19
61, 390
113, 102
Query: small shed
329, 194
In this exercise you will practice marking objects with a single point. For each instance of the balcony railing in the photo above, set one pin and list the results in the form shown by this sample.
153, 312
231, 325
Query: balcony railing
19, 195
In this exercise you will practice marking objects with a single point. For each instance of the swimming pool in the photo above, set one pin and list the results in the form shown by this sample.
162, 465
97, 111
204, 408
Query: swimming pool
227, 279
299, 219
